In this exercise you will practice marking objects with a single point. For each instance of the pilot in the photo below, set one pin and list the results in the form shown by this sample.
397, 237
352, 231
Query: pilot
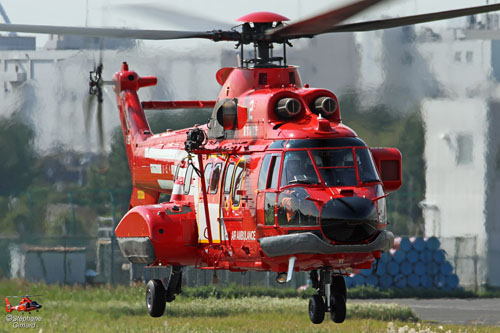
294, 169
289, 203
347, 176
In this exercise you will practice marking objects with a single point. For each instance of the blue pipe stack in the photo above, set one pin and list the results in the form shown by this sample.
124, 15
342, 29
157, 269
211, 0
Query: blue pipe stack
412, 263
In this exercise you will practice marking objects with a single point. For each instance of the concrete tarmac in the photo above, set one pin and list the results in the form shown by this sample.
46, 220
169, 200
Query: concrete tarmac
482, 311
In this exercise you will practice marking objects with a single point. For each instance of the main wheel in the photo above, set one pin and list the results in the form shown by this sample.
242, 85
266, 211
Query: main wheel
316, 309
338, 308
155, 298
338, 286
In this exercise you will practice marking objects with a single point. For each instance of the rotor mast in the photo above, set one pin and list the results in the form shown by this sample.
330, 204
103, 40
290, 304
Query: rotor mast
254, 28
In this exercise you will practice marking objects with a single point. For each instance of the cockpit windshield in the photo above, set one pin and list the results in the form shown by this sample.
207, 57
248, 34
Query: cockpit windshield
298, 169
336, 166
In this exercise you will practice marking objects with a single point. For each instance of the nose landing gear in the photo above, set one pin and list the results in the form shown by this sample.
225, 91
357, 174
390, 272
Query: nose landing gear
157, 295
331, 296
155, 298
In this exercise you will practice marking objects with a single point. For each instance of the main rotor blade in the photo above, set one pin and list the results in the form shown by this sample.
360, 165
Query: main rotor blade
87, 111
415, 19
321, 23
100, 129
106, 32
183, 19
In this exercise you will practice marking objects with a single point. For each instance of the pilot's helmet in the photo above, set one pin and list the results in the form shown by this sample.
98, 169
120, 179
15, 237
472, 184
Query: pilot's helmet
348, 160
318, 160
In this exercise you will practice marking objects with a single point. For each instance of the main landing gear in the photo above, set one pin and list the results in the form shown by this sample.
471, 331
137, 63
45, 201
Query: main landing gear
331, 296
157, 295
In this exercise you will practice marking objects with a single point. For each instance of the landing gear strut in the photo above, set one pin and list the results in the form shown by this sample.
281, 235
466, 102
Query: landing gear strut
157, 295
331, 296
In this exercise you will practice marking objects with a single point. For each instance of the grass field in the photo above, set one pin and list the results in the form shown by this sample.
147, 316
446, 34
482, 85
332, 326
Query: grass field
98, 309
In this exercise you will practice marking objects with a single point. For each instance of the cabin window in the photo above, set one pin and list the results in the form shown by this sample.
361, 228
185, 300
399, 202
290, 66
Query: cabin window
214, 182
181, 172
208, 173
187, 179
264, 169
176, 173
227, 180
238, 180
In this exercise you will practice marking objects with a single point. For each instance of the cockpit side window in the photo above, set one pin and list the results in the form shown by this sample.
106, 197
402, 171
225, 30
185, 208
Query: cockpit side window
366, 166
264, 169
272, 181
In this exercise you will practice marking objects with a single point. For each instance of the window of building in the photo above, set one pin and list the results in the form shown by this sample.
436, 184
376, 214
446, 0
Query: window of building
464, 148
469, 56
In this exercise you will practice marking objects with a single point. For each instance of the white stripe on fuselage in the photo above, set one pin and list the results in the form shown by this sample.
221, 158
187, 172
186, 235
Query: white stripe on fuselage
166, 184
155, 168
164, 154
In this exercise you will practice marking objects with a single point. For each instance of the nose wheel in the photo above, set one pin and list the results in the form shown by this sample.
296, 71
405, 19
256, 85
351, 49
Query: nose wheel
155, 298
157, 295
331, 297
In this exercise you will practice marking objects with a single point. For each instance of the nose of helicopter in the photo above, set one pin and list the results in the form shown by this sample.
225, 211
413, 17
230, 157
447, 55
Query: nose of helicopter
349, 219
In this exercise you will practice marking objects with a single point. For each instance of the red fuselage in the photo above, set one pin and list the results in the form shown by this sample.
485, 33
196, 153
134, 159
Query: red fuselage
281, 177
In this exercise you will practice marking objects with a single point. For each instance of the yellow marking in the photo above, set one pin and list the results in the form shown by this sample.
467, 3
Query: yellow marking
244, 162
141, 195
205, 241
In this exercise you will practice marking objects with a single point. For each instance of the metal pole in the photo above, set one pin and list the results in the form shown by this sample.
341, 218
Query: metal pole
73, 216
205, 202
112, 247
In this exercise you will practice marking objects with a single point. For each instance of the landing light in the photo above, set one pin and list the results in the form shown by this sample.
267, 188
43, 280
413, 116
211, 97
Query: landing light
281, 277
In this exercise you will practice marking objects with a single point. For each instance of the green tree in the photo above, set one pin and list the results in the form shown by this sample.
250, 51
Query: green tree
109, 181
18, 156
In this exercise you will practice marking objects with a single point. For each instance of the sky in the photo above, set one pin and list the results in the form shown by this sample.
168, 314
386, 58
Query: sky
110, 13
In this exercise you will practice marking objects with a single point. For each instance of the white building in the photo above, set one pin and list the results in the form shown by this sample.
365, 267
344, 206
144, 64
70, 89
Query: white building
462, 199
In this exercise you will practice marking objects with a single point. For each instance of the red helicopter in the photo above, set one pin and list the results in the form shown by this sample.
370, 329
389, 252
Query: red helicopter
26, 304
274, 182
